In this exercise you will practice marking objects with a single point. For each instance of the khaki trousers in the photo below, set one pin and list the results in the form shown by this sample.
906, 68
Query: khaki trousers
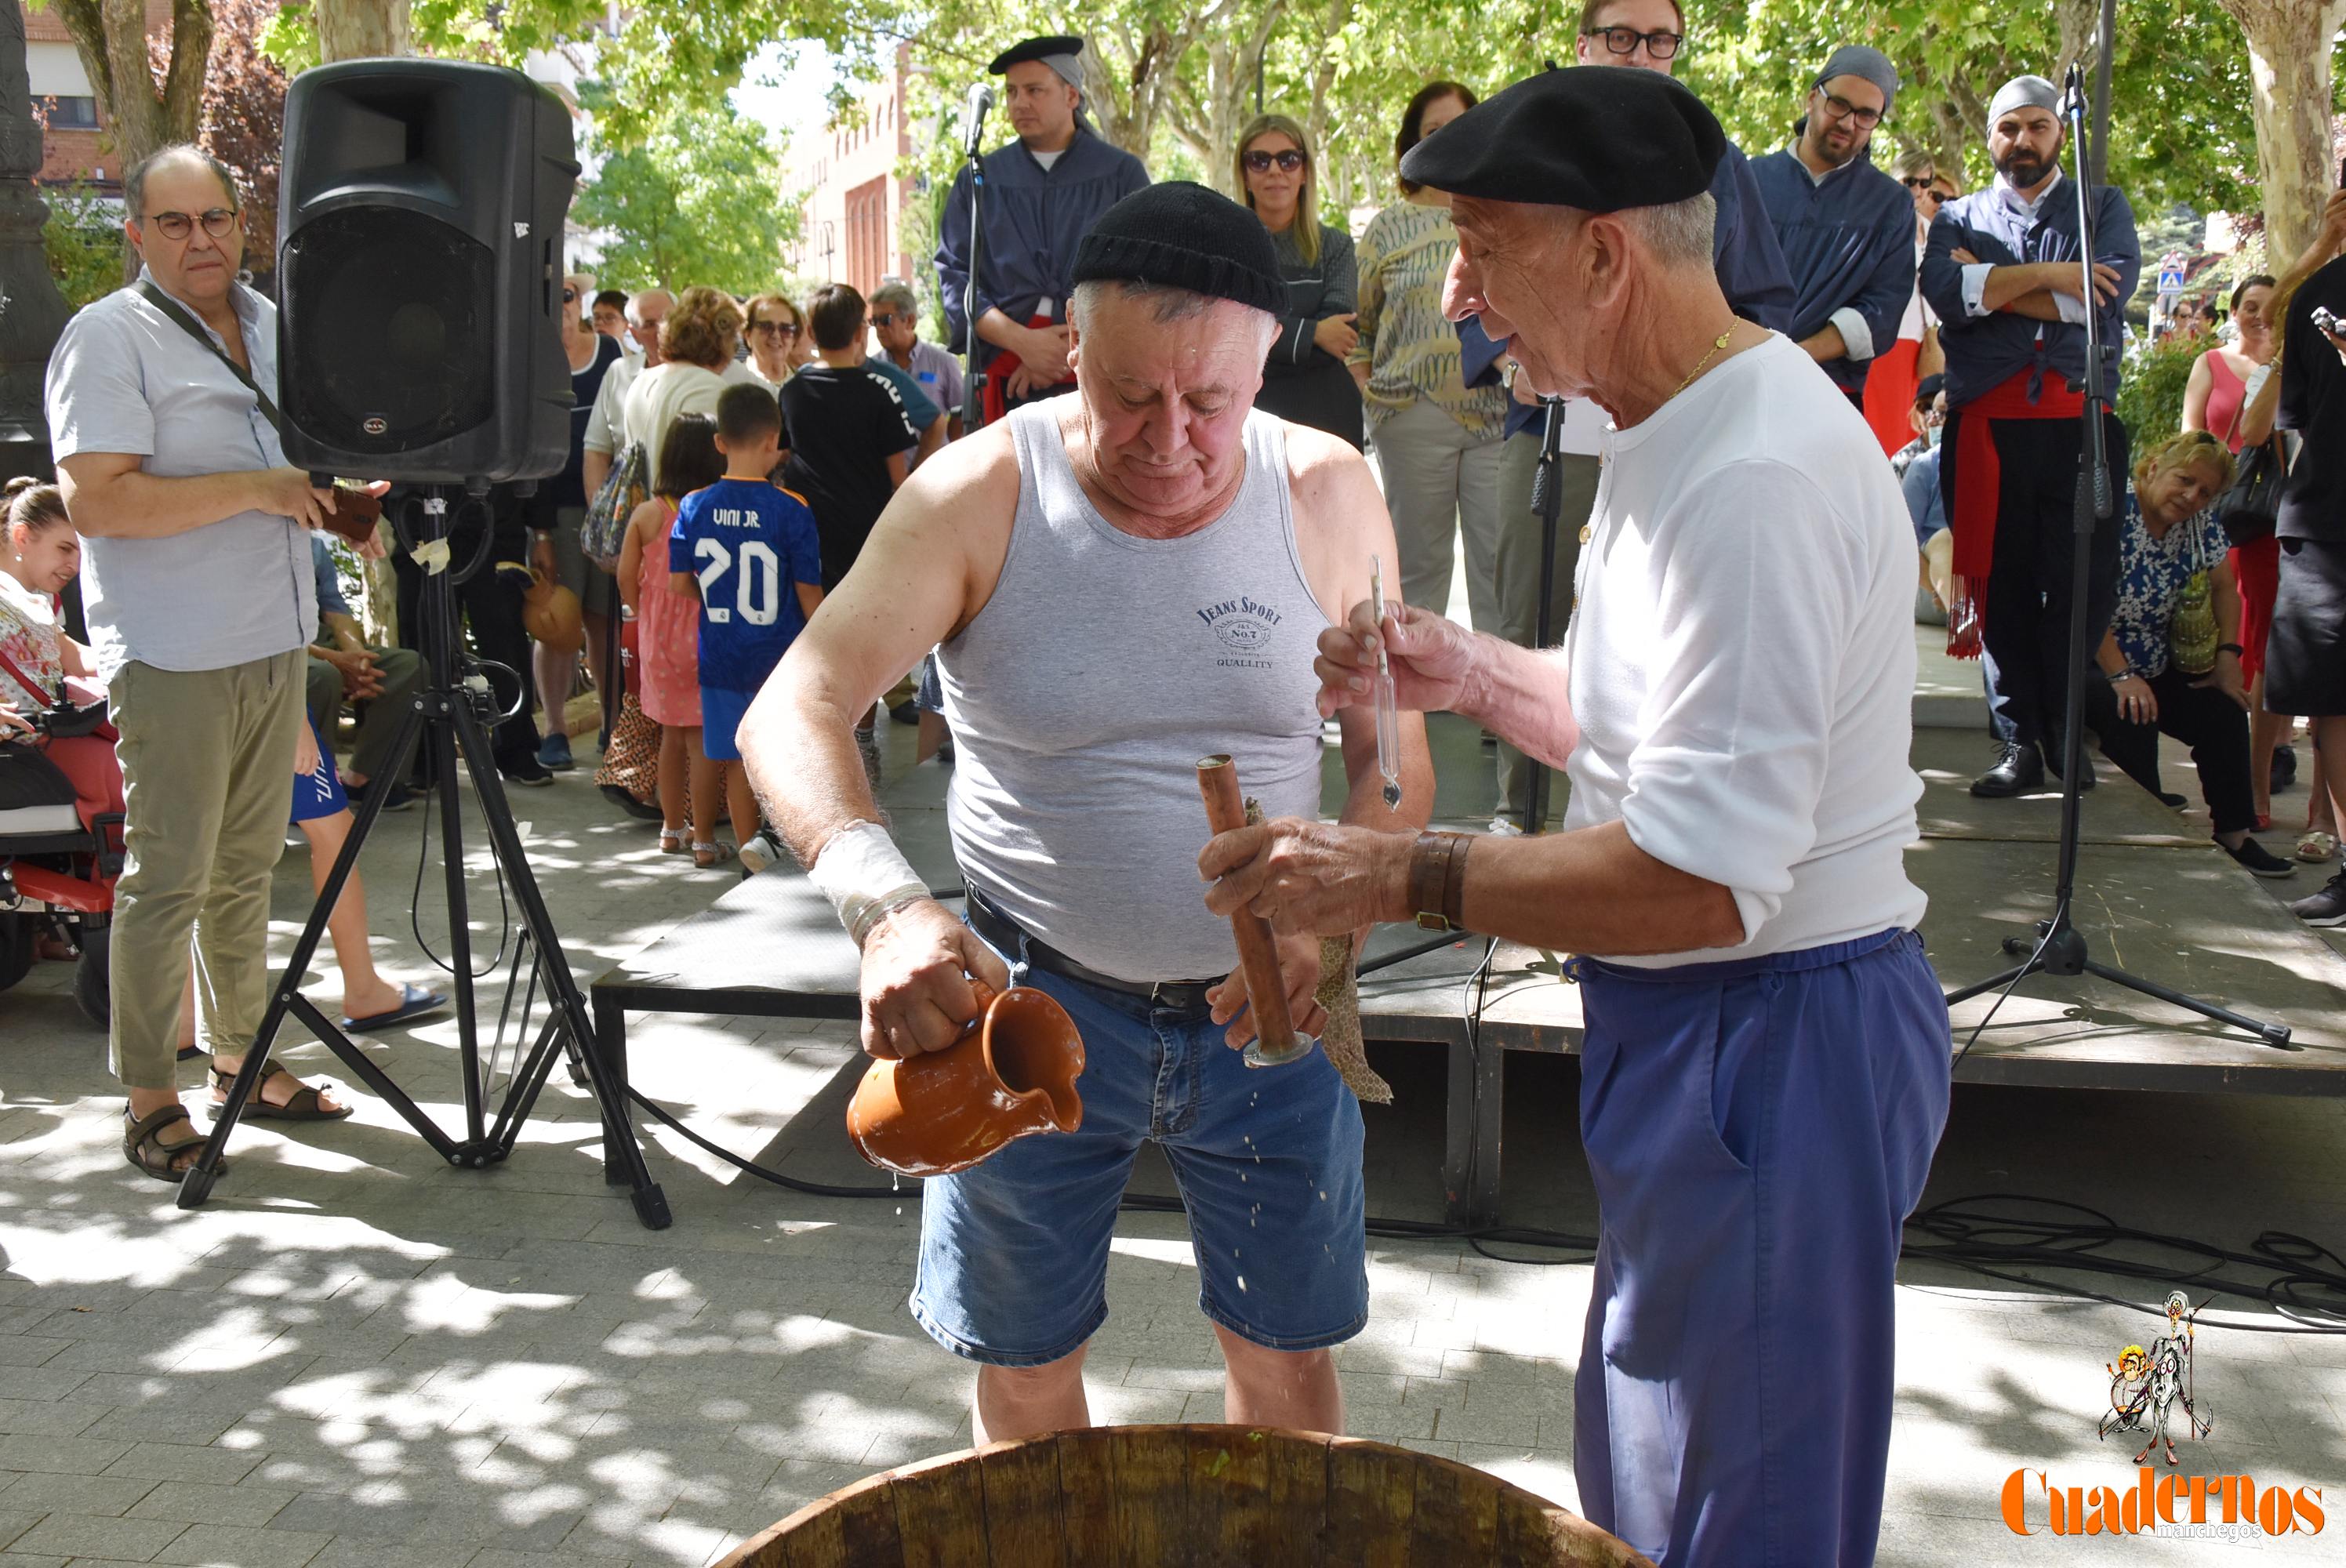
208, 778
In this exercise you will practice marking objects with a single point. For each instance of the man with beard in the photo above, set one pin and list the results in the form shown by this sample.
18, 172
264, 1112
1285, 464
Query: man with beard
2002, 269
1847, 229
1042, 192
1644, 35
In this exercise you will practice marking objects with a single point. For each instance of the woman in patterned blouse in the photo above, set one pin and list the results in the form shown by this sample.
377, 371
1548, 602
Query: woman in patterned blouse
1437, 440
2167, 534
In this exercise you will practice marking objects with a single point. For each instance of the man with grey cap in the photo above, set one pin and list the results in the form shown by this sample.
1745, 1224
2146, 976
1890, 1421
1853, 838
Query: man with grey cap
1764, 1072
1117, 583
2002, 268
1040, 194
1847, 229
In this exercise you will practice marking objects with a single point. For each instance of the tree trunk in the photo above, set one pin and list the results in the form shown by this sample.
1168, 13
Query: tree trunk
111, 36
362, 29
34, 311
2289, 62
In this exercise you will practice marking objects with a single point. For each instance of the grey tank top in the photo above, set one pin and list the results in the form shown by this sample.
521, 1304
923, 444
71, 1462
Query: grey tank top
1084, 693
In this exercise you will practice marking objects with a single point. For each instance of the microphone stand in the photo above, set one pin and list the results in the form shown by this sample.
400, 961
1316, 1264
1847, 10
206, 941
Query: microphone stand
1547, 501
2059, 947
972, 400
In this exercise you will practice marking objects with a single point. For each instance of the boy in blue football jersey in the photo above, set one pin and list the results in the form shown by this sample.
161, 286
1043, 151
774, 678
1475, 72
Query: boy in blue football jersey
746, 549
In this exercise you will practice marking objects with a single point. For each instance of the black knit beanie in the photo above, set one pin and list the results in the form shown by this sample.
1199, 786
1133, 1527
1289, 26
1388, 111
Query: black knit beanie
1183, 236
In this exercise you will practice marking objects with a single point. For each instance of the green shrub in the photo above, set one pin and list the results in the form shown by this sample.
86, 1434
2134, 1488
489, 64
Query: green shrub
83, 237
2151, 398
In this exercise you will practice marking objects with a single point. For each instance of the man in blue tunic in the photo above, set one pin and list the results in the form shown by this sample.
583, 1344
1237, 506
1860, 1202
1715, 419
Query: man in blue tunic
2001, 268
1646, 35
1847, 228
1039, 194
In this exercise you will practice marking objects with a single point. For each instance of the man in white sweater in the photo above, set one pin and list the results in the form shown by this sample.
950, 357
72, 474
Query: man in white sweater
1765, 1070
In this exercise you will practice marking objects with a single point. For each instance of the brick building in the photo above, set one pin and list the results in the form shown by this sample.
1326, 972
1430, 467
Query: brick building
852, 225
74, 141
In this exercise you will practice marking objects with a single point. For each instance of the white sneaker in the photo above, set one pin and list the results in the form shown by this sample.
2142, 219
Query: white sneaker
1505, 828
760, 851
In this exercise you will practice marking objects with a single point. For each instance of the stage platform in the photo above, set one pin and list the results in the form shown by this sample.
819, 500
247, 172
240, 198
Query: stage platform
2155, 897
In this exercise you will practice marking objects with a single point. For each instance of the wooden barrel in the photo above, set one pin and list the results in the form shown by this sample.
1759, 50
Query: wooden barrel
1175, 1496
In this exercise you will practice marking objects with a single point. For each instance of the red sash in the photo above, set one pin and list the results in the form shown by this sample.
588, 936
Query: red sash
993, 396
1979, 478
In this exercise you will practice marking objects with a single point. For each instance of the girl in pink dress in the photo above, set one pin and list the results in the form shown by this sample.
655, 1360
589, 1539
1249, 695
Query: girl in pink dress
668, 640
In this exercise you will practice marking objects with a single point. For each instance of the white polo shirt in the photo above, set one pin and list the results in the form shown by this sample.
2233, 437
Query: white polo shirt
1742, 659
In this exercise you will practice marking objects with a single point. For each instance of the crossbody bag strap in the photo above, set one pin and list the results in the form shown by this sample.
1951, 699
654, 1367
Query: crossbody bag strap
9, 667
187, 324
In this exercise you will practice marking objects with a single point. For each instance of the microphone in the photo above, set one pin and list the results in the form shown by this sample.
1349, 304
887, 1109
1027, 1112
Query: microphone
2072, 92
973, 128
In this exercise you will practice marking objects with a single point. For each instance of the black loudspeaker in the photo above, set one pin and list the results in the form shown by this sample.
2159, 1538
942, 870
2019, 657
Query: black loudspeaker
419, 272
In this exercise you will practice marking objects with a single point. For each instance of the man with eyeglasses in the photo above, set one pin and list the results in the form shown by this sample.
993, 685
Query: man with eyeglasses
896, 322
202, 598
1847, 229
1643, 34
1042, 192
2003, 268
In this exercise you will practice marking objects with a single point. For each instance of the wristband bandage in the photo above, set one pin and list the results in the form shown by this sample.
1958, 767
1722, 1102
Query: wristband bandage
865, 877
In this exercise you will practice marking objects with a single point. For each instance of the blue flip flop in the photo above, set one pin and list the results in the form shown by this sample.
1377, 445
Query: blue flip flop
414, 1001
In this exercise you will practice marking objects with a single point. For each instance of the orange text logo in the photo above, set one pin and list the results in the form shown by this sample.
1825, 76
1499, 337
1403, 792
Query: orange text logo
2170, 1505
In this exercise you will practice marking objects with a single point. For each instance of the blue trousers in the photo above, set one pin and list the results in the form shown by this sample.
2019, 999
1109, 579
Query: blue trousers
1758, 1132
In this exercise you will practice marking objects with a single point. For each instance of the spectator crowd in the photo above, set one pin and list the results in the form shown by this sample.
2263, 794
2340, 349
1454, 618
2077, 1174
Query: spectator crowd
730, 458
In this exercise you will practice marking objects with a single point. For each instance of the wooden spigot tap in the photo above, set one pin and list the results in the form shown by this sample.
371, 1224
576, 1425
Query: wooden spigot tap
1275, 1037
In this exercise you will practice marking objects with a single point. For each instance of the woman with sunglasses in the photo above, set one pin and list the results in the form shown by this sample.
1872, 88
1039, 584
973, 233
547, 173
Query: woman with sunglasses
778, 342
1890, 405
1303, 378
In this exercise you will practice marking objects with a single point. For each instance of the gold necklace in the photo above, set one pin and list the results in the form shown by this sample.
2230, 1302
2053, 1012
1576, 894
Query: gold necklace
1717, 344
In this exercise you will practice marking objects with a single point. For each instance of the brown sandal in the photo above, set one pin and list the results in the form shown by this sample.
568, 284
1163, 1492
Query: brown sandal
303, 1107
143, 1145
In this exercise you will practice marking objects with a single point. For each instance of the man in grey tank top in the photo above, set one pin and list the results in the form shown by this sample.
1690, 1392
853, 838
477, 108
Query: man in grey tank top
1117, 583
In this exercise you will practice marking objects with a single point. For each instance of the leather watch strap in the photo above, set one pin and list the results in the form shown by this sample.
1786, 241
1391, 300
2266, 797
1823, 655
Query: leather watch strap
1454, 882
1428, 866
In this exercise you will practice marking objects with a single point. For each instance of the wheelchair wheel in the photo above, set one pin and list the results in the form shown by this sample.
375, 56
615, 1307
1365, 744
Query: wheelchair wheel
93, 985
20, 935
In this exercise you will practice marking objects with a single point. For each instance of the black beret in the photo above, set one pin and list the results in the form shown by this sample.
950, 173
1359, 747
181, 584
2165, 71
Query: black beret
1034, 49
1184, 236
1598, 137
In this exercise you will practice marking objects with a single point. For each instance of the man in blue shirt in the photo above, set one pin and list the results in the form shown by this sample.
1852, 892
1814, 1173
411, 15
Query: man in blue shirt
1042, 192
2005, 270
745, 548
1847, 229
1646, 35
198, 585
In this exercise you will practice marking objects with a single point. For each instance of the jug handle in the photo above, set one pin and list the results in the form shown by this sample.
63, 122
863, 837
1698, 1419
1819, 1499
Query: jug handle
987, 995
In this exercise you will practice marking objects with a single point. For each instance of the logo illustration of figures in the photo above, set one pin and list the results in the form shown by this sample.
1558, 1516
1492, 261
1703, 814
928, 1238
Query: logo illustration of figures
2147, 1385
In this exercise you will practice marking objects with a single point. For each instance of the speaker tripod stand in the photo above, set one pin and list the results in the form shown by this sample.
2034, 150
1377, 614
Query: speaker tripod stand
446, 719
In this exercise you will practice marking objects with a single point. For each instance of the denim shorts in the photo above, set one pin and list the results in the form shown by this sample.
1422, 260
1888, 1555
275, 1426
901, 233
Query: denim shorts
1014, 1252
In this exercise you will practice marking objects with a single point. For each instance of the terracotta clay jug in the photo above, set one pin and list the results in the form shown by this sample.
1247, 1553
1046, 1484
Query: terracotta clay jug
1011, 1074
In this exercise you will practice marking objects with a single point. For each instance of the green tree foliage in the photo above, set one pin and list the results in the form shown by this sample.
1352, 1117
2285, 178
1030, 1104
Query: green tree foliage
698, 199
1175, 79
82, 238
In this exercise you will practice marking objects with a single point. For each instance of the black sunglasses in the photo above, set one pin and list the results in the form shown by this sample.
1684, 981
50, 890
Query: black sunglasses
1289, 159
1625, 41
1916, 182
776, 328
891, 318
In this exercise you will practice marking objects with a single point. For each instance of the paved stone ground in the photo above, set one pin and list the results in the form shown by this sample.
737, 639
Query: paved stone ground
355, 1355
